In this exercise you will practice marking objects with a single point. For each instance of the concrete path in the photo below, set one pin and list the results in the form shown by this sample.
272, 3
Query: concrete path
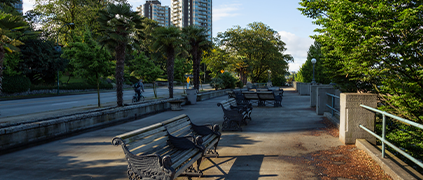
266, 149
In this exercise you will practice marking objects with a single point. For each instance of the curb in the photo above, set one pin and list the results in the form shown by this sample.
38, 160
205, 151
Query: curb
392, 166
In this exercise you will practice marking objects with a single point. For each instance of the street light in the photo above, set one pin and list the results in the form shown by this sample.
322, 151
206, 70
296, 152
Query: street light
268, 75
314, 62
58, 49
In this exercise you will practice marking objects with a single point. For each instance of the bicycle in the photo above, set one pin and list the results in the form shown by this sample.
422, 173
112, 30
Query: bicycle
135, 98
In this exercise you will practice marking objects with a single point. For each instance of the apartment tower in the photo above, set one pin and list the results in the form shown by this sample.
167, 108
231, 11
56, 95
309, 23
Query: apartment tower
19, 7
192, 12
153, 9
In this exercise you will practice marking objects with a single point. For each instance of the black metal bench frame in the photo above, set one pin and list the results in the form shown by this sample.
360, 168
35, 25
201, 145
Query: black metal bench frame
151, 149
275, 96
233, 116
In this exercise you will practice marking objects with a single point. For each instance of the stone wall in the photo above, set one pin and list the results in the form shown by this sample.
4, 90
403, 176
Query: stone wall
35, 130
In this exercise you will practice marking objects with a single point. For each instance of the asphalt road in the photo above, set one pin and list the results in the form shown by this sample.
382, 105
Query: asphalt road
36, 105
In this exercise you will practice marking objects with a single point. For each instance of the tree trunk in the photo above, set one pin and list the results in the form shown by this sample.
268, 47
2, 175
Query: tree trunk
195, 68
198, 69
120, 63
98, 90
170, 69
1, 68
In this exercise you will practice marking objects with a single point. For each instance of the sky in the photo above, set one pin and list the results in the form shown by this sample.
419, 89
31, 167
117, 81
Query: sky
281, 15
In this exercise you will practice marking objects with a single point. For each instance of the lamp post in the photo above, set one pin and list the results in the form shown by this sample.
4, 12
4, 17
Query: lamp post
58, 49
268, 75
314, 62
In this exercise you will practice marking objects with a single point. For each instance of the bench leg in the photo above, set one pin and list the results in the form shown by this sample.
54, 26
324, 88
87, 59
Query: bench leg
191, 171
262, 103
229, 125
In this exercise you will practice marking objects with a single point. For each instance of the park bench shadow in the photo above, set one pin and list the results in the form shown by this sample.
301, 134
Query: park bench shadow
243, 166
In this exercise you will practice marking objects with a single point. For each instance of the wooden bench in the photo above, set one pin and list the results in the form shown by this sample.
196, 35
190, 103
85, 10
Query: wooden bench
250, 96
275, 96
233, 116
168, 149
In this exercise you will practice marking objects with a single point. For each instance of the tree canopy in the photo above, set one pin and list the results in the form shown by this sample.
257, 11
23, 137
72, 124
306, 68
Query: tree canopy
261, 48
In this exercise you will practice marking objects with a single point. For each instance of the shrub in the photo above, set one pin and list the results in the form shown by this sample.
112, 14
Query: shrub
240, 84
228, 80
216, 83
15, 84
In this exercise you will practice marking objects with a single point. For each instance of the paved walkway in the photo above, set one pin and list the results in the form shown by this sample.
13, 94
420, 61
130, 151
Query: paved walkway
264, 149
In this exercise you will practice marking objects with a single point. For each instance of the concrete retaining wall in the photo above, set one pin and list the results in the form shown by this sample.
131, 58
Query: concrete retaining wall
313, 93
294, 84
15, 135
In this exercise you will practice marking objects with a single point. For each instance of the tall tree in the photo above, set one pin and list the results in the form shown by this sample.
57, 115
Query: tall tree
8, 25
198, 42
378, 44
90, 60
261, 46
120, 26
305, 74
167, 40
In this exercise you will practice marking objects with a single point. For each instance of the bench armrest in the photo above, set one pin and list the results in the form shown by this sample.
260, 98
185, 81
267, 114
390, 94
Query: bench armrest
186, 142
205, 130
146, 166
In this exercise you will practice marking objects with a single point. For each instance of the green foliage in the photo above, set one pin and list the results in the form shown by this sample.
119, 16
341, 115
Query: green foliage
216, 83
90, 60
228, 81
305, 74
375, 46
40, 61
182, 67
239, 84
278, 80
217, 60
143, 68
259, 49
72, 86
167, 40
11, 63
15, 84
121, 30
198, 42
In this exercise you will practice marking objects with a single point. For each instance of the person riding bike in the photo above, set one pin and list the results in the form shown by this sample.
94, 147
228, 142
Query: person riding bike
138, 87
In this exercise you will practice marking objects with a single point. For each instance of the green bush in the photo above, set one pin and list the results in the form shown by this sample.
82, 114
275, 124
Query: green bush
72, 86
15, 84
228, 80
240, 84
216, 83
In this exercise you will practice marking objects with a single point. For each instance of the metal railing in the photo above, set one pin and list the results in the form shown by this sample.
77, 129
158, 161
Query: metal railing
383, 133
332, 106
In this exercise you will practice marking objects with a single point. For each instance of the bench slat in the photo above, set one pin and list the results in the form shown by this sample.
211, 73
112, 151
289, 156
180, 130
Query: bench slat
184, 158
149, 146
175, 129
147, 140
139, 131
177, 122
137, 137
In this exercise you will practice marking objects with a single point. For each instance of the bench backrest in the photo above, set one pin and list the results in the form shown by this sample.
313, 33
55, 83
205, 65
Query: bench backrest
226, 104
267, 95
250, 95
154, 139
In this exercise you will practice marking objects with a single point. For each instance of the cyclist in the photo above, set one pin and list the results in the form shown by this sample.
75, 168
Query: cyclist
138, 87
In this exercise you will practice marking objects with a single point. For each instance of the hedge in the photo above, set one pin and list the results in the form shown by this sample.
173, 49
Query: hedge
15, 84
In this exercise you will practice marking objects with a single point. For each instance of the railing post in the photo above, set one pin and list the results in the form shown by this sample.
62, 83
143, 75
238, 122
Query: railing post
323, 99
352, 115
383, 135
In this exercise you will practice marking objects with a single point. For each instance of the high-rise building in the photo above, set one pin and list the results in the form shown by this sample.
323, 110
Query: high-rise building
19, 7
192, 12
153, 9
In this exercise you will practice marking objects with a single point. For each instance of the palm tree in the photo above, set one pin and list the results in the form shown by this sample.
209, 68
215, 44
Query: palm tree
121, 28
8, 24
166, 40
198, 42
